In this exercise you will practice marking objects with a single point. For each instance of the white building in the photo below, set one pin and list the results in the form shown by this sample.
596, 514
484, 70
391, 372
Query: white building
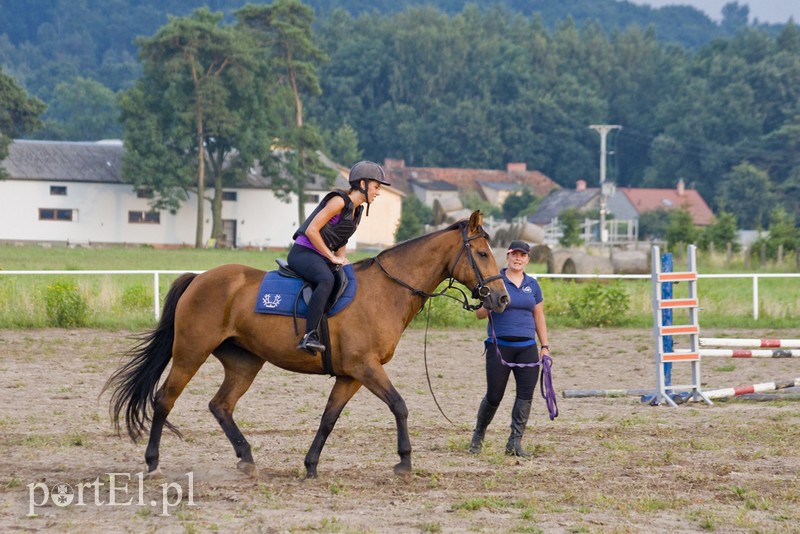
73, 193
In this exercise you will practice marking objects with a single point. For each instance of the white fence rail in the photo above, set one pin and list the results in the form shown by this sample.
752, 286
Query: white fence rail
157, 297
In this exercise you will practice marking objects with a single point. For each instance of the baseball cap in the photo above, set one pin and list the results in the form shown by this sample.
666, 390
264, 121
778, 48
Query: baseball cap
522, 246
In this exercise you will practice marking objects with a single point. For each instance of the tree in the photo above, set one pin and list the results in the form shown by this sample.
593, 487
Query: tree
196, 106
19, 114
570, 220
747, 193
680, 229
520, 204
284, 28
653, 224
413, 218
83, 110
343, 145
721, 232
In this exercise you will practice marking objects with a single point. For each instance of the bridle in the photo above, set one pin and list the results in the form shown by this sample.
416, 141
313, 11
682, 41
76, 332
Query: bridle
480, 292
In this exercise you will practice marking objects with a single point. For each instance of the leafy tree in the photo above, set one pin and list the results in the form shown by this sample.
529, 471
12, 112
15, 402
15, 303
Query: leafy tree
413, 218
721, 232
520, 204
782, 232
82, 110
284, 28
570, 220
196, 108
680, 229
19, 114
747, 192
343, 145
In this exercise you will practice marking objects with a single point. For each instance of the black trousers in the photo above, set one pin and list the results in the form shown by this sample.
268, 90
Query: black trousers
497, 374
319, 272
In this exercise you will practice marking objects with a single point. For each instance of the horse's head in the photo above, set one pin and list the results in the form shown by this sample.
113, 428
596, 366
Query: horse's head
476, 268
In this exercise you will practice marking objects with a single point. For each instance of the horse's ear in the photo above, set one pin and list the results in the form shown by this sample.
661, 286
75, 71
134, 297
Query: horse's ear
475, 221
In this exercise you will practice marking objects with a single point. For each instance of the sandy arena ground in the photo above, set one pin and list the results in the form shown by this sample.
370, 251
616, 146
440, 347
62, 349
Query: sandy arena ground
604, 465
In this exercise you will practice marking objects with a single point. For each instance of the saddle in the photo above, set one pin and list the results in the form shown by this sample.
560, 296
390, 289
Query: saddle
339, 285
284, 292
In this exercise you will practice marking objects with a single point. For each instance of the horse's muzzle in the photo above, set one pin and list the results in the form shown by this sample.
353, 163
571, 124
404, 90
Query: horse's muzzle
496, 303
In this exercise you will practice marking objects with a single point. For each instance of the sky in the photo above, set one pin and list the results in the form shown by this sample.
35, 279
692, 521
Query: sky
774, 11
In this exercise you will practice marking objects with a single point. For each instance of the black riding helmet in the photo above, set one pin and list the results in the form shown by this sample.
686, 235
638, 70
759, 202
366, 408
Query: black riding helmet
366, 170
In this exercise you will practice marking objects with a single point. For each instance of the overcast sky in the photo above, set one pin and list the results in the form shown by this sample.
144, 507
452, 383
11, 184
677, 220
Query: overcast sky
764, 10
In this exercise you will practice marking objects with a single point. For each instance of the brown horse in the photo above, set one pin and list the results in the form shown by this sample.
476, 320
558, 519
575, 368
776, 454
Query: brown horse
213, 313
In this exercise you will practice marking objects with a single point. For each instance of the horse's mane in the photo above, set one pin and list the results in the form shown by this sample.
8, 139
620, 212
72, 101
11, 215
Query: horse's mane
367, 262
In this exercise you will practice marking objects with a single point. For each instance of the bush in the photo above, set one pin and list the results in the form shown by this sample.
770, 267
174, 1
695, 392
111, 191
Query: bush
600, 305
137, 297
65, 306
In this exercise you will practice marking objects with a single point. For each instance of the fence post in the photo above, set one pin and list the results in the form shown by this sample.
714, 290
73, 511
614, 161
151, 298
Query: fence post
156, 296
755, 297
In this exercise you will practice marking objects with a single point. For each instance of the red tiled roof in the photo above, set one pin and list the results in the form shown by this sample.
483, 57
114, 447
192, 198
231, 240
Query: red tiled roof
467, 179
644, 200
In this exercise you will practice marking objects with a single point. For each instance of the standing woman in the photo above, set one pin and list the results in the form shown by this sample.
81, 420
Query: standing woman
514, 332
319, 243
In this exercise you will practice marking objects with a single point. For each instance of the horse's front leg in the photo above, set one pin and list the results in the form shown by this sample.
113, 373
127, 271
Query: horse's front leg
376, 380
343, 390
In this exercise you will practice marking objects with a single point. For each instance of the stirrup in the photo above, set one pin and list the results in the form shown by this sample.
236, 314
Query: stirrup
310, 344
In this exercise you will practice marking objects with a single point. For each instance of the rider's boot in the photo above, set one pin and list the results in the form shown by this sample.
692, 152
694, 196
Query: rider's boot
311, 343
485, 415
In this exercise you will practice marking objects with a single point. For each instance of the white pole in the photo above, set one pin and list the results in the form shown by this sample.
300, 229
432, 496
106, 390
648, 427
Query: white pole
156, 297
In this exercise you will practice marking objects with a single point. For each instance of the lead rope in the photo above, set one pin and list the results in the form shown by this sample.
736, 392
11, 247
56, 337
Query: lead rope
425, 358
546, 363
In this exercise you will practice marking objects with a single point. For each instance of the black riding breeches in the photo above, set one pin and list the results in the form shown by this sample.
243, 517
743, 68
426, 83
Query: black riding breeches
319, 272
497, 373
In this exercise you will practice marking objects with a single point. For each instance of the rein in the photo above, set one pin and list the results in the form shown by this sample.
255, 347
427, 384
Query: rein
546, 363
479, 292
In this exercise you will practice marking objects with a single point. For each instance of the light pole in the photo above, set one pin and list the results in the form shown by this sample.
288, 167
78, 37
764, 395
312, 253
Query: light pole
603, 129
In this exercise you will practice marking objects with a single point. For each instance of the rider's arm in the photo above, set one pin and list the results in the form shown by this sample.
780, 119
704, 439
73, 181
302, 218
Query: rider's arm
333, 207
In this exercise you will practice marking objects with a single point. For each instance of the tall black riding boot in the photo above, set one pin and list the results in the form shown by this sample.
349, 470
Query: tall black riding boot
485, 414
519, 418
311, 343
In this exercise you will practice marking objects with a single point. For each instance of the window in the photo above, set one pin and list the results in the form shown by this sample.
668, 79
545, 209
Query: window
312, 199
52, 214
60, 190
144, 192
144, 217
229, 195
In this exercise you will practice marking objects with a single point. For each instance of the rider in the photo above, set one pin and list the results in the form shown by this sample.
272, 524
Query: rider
319, 243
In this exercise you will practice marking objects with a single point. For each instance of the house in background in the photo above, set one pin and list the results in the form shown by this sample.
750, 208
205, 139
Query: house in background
631, 202
432, 191
428, 183
627, 203
73, 193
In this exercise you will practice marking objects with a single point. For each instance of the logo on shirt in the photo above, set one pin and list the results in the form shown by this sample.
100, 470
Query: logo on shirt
527, 289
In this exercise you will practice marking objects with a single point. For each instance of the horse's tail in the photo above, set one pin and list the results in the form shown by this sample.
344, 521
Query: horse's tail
136, 381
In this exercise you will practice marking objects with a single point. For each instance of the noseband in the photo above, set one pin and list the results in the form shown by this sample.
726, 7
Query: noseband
480, 291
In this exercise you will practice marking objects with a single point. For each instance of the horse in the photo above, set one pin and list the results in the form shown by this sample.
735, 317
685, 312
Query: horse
213, 313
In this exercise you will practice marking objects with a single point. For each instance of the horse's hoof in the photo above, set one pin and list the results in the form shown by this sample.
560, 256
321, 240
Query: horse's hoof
311, 474
403, 472
154, 474
247, 468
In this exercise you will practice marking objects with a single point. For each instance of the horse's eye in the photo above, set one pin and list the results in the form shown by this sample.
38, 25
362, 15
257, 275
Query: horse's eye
483, 254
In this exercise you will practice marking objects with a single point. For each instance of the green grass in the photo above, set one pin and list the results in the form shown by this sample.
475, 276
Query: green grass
123, 301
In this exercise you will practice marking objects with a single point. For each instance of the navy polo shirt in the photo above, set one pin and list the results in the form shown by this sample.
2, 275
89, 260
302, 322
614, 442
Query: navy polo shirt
517, 319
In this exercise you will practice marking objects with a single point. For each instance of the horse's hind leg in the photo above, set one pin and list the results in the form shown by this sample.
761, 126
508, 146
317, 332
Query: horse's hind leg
241, 368
182, 370
343, 390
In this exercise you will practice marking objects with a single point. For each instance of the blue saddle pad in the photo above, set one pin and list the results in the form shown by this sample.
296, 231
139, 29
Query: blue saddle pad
278, 293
